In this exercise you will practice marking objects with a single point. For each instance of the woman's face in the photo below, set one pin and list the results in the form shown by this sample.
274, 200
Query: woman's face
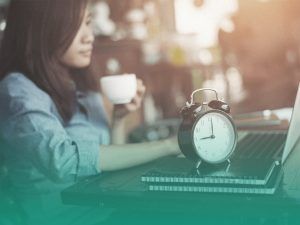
78, 55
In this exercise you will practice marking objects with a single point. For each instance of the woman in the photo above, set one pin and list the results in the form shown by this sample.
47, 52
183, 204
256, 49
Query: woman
52, 119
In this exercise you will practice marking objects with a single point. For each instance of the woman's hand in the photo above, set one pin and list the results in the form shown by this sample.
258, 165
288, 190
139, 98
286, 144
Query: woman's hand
122, 110
138, 98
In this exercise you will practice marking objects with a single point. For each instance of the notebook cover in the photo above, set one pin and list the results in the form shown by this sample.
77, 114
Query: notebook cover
183, 171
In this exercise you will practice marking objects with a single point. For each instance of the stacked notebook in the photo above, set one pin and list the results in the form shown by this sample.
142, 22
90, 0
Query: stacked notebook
240, 176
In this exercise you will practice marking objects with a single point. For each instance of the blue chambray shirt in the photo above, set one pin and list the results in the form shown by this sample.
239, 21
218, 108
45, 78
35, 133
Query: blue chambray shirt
43, 155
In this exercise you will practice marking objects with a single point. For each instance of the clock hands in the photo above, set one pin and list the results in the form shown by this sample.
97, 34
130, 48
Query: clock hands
212, 129
212, 136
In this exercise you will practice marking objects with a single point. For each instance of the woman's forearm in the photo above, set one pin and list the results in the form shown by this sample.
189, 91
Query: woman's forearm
115, 157
108, 108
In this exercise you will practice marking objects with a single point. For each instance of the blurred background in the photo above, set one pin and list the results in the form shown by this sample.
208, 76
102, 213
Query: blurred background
249, 50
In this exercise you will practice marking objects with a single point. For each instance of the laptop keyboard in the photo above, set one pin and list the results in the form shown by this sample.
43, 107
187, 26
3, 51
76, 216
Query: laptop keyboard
261, 145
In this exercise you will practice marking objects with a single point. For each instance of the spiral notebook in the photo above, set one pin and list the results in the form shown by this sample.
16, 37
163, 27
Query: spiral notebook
183, 171
267, 189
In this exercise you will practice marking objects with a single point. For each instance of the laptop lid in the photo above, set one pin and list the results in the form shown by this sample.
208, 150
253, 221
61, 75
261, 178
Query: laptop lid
294, 131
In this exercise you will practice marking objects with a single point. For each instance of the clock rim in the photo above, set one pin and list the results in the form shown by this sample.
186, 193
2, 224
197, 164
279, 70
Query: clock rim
234, 129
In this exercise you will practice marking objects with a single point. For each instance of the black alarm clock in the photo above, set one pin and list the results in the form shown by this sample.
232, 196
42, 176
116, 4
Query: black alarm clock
207, 132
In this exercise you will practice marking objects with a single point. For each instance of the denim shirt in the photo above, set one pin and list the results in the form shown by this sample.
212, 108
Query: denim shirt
43, 154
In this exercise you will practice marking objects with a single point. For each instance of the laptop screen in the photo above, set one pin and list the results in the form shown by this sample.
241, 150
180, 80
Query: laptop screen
294, 128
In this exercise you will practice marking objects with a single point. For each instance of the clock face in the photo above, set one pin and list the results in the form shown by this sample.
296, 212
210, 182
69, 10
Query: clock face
214, 137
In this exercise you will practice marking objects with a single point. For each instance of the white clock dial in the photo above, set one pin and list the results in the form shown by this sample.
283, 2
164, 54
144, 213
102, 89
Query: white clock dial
214, 137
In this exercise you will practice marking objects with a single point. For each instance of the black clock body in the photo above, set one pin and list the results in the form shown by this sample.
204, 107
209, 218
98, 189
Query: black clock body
190, 117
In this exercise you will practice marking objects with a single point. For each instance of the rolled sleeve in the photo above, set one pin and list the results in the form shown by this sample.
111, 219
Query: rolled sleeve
88, 152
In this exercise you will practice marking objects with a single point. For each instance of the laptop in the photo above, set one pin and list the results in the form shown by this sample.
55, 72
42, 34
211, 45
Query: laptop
272, 144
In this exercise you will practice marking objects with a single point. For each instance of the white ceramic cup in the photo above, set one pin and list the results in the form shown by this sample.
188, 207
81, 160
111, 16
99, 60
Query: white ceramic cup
119, 89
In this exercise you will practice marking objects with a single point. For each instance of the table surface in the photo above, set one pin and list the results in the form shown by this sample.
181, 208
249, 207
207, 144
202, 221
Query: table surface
123, 189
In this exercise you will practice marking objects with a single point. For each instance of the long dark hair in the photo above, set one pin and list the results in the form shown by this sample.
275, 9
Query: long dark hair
37, 33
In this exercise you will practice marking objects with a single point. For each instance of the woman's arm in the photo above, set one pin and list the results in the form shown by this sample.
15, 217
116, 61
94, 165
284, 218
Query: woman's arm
115, 157
108, 108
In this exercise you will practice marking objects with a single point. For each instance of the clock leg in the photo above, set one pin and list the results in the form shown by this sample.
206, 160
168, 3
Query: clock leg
228, 165
198, 164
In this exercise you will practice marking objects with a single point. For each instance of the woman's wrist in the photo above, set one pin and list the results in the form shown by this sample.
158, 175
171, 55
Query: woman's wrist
119, 112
